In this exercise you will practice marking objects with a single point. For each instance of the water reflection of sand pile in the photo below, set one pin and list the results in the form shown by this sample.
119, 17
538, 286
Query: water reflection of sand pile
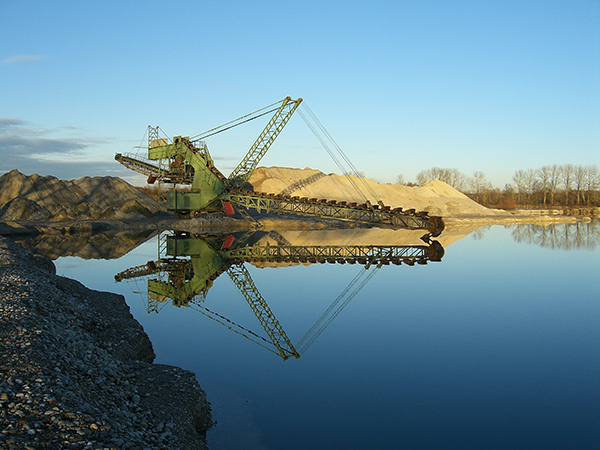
355, 237
436, 197
365, 236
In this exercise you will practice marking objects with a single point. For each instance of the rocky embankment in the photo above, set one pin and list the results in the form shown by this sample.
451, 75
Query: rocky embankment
76, 369
38, 198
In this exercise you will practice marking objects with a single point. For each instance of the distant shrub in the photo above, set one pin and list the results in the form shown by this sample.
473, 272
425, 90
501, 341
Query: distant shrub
507, 204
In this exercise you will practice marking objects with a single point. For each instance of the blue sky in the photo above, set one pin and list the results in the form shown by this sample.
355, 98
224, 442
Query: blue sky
401, 86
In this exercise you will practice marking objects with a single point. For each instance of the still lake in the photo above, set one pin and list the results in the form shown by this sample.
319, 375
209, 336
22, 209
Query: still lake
496, 346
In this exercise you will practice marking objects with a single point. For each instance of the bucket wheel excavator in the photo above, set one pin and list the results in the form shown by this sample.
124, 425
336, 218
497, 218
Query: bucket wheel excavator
187, 162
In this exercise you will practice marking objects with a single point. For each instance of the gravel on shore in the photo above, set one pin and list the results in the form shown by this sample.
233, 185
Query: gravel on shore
76, 369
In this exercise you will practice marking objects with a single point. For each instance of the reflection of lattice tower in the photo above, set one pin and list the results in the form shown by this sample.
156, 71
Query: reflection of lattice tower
242, 279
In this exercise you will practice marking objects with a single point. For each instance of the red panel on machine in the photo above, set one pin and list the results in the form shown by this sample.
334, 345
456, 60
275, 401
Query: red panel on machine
228, 242
228, 208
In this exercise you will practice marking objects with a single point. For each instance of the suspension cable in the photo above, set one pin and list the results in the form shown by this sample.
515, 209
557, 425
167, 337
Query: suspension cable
332, 155
236, 122
340, 152
330, 314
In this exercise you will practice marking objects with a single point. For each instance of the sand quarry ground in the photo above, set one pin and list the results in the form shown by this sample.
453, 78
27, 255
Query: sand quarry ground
45, 203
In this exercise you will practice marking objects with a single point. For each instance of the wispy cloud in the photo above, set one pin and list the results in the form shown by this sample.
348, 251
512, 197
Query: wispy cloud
18, 137
28, 145
33, 150
227, 158
215, 83
21, 59
73, 170
8, 123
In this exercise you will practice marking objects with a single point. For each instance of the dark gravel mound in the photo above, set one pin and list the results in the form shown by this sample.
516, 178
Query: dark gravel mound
76, 369
36, 198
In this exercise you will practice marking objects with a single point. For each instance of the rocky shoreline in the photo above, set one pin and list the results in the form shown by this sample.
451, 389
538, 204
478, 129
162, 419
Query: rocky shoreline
76, 369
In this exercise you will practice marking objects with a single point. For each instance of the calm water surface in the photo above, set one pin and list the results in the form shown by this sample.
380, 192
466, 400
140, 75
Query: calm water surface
495, 347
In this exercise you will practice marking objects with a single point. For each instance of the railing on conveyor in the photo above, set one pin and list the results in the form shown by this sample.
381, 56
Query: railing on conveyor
348, 211
352, 254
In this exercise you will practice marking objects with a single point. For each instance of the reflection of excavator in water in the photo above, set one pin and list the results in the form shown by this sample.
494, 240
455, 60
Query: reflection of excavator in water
185, 161
191, 264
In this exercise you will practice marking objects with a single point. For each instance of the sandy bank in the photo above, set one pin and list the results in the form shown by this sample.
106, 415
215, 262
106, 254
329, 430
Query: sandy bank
539, 217
77, 372
33, 204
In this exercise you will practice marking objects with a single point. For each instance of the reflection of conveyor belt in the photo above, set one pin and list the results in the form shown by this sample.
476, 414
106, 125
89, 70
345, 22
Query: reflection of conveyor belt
150, 268
362, 254
242, 279
190, 264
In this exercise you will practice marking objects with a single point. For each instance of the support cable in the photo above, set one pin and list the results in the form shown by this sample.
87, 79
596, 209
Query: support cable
332, 155
236, 122
340, 152
236, 328
327, 317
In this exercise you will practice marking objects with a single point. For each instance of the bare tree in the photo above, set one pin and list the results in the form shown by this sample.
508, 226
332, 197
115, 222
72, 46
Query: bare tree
453, 177
509, 193
457, 179
592, 180
567, 174
400, 179
580, 177
531, 182
494, 194
520, 179
554, 181
423, 177
544, 174
479, 184
545, 185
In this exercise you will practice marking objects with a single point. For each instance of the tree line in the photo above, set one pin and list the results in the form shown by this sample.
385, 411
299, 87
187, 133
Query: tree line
565, 236
551, 185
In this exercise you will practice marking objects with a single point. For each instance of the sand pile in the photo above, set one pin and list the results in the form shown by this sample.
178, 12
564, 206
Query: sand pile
436, 197
46, 198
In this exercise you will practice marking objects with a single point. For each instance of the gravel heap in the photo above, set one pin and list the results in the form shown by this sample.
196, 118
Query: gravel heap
46, 198
76, 369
